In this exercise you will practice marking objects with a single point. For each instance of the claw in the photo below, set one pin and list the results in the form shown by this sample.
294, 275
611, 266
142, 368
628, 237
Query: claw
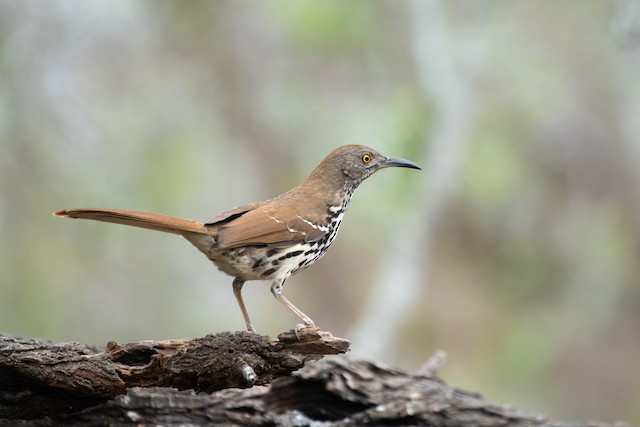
301, 326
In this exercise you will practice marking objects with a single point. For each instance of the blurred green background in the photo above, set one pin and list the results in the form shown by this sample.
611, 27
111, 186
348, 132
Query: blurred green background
515, 250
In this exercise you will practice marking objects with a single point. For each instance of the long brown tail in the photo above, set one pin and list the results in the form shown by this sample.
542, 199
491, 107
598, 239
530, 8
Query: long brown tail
152, 221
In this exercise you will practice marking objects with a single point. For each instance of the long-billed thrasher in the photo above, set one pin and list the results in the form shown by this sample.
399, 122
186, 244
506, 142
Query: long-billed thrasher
274, 239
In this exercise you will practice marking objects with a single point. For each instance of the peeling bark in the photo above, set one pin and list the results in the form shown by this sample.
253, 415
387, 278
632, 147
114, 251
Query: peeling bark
223, 379
39, 378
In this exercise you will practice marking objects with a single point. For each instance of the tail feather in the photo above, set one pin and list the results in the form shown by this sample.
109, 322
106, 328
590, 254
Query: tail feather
151, 221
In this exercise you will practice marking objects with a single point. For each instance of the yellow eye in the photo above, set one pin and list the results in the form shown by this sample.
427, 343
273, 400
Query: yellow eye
366, 158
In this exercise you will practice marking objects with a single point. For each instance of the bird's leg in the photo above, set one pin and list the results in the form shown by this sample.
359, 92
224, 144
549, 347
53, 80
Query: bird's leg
237, 292
276, 290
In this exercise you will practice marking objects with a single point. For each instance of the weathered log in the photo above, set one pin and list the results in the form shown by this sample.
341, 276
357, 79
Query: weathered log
40, 378
337, 391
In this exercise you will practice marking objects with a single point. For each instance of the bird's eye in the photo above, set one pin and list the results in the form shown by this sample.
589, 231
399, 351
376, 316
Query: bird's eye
366, 158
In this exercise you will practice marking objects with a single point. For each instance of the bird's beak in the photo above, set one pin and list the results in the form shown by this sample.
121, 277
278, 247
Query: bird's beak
399, 163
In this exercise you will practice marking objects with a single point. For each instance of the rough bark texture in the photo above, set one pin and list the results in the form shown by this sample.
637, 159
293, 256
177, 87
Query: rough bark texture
222, 379
40, 378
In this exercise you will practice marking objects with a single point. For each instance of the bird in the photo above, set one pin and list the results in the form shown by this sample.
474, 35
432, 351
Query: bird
275, 238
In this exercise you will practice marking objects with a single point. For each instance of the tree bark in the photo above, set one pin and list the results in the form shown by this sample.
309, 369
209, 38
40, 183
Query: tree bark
223, 379
39, 378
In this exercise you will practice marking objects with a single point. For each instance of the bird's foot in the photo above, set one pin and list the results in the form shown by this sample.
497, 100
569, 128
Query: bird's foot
308, 339
300, 327
306, 332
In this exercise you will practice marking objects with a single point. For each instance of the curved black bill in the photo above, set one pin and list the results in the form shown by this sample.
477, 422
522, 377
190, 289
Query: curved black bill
400, 163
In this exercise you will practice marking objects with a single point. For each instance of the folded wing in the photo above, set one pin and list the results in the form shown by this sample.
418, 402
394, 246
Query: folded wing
265, 226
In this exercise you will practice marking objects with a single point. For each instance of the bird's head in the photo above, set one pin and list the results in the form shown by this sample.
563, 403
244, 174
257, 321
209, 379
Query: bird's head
359, 162
347, 166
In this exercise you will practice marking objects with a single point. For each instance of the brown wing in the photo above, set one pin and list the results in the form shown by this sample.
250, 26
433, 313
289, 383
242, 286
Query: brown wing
267, 226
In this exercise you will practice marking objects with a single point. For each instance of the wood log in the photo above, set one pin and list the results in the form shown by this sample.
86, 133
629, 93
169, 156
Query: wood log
41, 378
224, 379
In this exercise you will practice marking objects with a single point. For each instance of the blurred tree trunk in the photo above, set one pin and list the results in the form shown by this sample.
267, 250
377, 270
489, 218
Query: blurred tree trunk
447, 79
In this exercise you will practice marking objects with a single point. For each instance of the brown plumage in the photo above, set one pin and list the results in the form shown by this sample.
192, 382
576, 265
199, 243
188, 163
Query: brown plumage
274, 239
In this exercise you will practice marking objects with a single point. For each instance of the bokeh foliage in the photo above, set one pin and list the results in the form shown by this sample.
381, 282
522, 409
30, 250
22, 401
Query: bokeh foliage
529, 277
